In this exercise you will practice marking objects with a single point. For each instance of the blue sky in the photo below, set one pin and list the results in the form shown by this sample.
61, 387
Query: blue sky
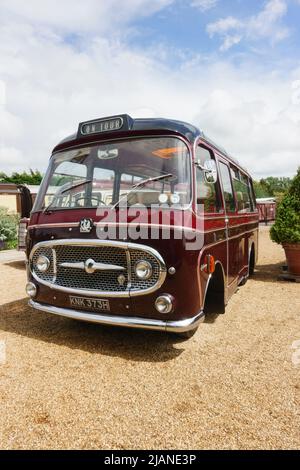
231, 67
182, 26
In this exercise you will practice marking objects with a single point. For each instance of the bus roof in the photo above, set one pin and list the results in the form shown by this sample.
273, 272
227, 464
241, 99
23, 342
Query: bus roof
189, 131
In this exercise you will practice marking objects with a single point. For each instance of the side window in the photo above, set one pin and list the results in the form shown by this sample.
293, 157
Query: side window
208, 194
252, 196
227, 188
241, 190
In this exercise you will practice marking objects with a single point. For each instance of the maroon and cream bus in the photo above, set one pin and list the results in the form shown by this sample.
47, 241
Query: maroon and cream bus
142, 223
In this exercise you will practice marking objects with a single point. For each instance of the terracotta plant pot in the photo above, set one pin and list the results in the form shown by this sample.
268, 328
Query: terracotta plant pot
292, 253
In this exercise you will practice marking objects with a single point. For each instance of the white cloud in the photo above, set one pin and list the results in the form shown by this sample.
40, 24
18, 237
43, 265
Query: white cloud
204, 5
89, 16
13, 157
2, 94
266, 24
230, 41
224, 25
51, 86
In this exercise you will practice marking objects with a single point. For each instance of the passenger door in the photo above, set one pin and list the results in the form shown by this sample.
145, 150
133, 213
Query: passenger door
244, 208
232, 240
210, 209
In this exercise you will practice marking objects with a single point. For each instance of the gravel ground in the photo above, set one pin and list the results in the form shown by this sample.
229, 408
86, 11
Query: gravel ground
11, 255
232, 386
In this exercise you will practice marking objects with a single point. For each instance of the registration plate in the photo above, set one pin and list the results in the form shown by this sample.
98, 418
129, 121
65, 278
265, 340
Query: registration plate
89, 303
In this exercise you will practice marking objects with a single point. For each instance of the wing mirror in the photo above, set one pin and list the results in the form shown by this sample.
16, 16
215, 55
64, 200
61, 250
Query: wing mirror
210, 170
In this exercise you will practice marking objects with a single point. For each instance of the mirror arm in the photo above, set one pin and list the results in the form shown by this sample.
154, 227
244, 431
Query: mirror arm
198, 165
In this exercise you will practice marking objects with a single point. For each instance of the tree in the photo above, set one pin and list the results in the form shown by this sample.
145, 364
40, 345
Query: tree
260, 190
272, 187
276, 185
34, 177
287, 224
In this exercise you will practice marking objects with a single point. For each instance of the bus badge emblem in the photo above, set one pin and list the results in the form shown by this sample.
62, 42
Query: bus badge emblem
86, 225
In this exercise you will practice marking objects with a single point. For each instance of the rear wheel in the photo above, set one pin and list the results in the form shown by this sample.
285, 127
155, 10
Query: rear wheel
251, 265
252, 262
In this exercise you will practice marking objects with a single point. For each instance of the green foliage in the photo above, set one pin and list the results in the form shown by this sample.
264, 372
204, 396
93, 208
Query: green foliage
260, 190
12, 244
287, 224
272, 187
34, 177
8, 226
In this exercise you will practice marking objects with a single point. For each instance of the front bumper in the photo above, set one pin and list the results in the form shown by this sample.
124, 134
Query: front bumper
178, 326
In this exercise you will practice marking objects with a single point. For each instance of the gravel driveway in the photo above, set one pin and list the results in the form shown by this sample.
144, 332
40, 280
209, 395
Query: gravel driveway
234, 385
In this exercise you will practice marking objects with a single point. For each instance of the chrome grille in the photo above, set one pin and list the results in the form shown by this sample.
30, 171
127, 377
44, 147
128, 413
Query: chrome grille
75, 279
101, 280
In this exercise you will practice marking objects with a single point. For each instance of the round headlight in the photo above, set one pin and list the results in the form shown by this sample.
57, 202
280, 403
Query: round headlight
42, 263
143, 269
31, 289
164, 304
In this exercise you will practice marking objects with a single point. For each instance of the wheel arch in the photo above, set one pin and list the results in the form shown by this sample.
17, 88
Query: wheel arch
252, 258
215, 291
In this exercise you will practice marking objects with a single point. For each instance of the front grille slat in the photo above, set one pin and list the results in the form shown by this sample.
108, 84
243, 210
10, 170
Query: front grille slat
79, 279
104, 281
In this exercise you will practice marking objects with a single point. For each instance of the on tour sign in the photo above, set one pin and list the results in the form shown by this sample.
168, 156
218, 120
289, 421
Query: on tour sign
109, 124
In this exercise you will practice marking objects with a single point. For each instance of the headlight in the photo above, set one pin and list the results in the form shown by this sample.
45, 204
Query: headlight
42, 263
31, 289
164, 304
143, 270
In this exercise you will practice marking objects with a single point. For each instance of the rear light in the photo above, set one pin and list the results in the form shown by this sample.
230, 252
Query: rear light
22, 232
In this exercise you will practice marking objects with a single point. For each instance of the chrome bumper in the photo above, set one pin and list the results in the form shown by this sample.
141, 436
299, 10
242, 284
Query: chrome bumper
179, 326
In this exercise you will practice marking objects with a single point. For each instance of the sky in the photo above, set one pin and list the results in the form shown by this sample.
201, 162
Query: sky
231, 67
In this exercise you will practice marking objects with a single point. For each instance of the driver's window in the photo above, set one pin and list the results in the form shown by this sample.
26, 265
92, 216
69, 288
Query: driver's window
208, 194
66, 174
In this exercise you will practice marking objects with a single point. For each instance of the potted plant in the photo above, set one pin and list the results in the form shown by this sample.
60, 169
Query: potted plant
286, 230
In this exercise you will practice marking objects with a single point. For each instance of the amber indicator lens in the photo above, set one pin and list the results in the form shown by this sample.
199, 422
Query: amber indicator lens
166, 153
210, 262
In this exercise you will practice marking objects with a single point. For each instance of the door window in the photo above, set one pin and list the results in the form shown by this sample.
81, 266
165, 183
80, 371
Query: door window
208, 194
252, 196
227, 188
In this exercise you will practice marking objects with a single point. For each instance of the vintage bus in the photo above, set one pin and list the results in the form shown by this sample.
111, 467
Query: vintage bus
143, 223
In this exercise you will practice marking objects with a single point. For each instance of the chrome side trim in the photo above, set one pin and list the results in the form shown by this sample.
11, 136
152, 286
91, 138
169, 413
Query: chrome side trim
91, 242
179, 326
128, 259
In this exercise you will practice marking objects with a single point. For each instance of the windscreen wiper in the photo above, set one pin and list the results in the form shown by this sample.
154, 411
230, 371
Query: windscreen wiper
140, 184
65, 191
76, 186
